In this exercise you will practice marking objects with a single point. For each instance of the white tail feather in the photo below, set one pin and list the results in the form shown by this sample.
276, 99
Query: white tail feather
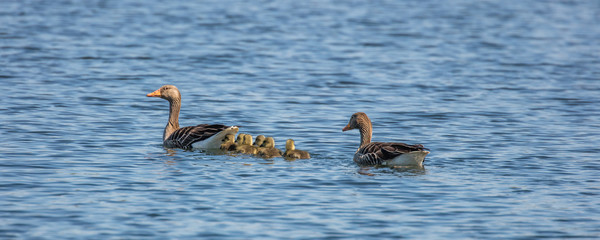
415, 158
215, 141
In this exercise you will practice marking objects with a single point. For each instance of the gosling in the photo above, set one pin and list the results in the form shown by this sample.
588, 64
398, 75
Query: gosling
227, 142
238, 142
292, 153
258, 141
268, 150
246, 146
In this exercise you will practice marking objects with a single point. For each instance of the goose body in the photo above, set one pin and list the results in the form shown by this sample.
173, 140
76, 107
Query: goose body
203, 136
383, 153
268, 150
292, 153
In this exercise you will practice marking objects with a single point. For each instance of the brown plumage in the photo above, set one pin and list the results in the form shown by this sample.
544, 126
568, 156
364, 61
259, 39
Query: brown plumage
239, 141
246, 146
227, 141
268, 150
382, 153
259, 140
292, 153
203, 136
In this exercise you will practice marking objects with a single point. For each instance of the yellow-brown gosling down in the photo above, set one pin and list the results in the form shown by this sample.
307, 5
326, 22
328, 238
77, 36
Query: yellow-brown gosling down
239, 141
258, 141
268, 150
292, 153
246, 146
227, 141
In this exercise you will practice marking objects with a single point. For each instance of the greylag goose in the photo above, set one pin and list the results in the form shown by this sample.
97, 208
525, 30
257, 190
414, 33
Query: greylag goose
246, 146
292, 153
382, 153
203, 136
228, 140
268, 150
258, 141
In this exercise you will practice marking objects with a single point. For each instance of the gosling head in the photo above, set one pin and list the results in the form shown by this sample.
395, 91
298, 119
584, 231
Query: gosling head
240, 138
167, 92
268, 143
259, 140
247, 139
229, 138
289, 145
357, 120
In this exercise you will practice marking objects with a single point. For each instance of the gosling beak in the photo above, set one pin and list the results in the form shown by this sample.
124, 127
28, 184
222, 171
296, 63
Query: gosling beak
154, 94
346, 128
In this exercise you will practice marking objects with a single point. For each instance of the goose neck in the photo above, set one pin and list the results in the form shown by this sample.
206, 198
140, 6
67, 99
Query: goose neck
173, 123
366, 132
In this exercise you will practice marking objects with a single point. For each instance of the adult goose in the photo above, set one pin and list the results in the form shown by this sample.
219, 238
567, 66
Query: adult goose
203, 136
382, 153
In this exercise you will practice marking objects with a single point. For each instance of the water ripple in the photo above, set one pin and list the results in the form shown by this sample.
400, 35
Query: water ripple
504, 95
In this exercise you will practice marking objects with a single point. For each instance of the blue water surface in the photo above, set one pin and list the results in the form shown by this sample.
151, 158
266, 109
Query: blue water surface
506, 94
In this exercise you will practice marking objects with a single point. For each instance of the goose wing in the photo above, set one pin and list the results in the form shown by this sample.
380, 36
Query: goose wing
186, 136
375, 153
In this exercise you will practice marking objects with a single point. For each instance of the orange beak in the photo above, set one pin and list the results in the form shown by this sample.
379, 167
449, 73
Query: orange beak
346, 128
154, 94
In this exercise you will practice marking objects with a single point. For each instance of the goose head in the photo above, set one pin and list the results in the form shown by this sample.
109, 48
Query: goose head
289, 145
229, 138
269, 143
167, 92
357, 120
259, 140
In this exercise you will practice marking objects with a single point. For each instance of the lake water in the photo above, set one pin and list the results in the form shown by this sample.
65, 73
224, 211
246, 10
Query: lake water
506, 94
